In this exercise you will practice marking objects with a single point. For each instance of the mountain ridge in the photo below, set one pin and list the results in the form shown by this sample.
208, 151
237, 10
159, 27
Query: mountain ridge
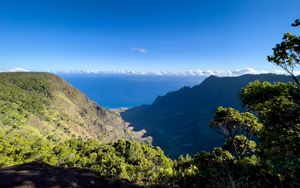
179, 120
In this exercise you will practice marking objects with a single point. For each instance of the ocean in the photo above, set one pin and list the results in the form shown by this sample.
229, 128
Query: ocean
116, 91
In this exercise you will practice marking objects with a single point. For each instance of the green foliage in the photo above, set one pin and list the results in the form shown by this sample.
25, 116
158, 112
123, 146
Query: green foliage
238, 129
278, 107
287, 53
232, 122
20, 146
133, 161
129, 160
218, 169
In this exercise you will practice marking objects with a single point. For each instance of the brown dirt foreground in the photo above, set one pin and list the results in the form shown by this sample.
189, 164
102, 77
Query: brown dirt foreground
38, 174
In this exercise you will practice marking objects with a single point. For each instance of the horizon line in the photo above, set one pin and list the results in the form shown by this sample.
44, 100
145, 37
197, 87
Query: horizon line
188, 73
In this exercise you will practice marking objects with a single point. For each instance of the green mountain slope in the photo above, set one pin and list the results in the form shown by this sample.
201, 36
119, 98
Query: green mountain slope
48, 107
179, 121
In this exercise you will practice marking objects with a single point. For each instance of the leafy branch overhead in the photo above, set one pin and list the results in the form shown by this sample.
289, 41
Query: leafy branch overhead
287, 53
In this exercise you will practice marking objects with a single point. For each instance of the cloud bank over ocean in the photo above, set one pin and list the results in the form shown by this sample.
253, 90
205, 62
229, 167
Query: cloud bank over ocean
196, 72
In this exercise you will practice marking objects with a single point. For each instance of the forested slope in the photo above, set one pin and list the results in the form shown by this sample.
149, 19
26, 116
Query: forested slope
47, 106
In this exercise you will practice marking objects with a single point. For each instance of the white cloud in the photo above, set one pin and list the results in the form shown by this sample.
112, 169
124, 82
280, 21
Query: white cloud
17, 69
139, 50
191, 73
195, 72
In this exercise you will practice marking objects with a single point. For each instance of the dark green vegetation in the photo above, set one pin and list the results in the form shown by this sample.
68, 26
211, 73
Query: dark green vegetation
133, 161
260, 150
261, 143
179, 121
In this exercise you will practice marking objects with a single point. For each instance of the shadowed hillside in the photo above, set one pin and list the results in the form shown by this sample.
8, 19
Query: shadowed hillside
38, 174
179, 121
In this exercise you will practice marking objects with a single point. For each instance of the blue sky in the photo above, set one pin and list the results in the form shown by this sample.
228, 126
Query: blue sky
148, 35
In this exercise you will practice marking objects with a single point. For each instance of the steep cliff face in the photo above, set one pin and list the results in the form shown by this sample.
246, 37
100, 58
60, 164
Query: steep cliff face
179, 121
48, 106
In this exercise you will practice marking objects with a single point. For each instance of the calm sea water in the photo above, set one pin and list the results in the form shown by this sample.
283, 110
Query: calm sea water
115, 91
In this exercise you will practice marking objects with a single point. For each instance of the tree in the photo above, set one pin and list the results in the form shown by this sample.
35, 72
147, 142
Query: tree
287, 53
238, 130
278, 107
